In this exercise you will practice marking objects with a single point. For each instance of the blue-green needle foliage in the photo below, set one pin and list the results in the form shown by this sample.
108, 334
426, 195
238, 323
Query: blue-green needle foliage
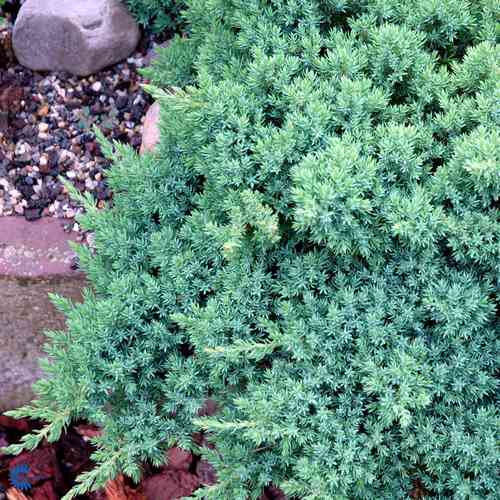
315, 245
158, 15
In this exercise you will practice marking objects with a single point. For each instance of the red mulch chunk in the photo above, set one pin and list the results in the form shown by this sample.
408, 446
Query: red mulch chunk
179, 459
170, 484
46, 491
43, 465
12, 423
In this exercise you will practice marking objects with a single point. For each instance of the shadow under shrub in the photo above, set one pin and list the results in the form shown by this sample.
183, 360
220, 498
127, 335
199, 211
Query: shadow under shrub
314, 245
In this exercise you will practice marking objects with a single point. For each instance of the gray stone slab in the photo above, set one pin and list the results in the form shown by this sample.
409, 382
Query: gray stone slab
35, 260
34, 249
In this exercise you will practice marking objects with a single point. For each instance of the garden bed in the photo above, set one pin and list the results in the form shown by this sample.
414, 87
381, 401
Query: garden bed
46, 129
48, 472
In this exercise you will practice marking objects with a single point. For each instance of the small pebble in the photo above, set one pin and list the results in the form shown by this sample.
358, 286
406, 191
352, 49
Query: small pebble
96, 87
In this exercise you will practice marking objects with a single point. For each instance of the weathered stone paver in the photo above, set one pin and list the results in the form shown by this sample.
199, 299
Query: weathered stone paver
35, 260
34, 249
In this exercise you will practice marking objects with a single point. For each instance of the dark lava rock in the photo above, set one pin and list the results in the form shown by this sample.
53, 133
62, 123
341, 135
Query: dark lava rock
32, 214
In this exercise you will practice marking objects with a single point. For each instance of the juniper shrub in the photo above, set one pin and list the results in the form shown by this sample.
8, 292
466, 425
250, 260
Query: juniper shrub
314, 245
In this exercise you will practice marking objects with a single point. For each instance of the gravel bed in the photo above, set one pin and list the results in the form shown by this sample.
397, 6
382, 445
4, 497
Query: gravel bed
46, 122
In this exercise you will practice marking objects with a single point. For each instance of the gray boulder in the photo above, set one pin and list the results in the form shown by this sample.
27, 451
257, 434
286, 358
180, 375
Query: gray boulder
78, 36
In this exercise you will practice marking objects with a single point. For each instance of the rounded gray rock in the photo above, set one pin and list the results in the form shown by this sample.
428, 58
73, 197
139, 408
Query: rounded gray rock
77, 36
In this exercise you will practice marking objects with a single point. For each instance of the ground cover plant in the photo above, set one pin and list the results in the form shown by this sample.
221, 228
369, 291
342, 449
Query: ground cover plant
314, 246
158, 15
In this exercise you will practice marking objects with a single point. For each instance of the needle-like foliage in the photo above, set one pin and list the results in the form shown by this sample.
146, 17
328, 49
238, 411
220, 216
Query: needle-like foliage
315, 245
158, 15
